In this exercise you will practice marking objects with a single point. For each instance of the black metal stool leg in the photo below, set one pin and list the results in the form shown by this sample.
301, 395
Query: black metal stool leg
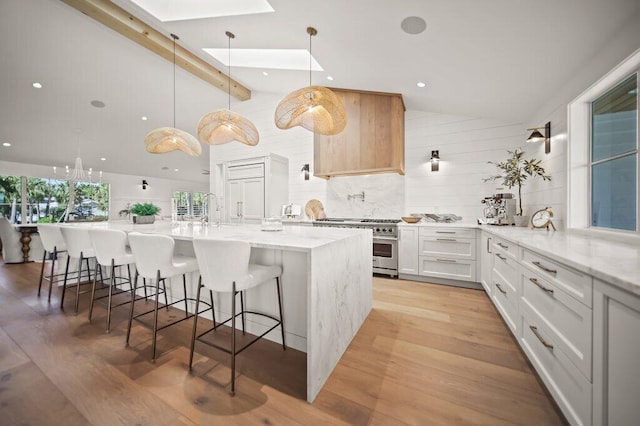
213, 309
113, 283
93, 291
242, 311
155, 320
64, 283
130, 282
78, 284
144, 285
233, 340
284, 346
44, 257
164, 291
133, 301
184, 288
195, 325
53, 264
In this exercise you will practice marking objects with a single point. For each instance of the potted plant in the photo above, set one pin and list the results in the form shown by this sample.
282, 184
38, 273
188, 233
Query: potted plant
514, 172
144, 213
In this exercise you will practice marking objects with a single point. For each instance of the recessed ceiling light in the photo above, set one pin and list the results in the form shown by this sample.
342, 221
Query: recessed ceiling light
176, 170
145, 118
37, 85
329, 78
265, 73
282, 59
98, 104
421, 84
413, 25
171, 10
6, 144
103, 159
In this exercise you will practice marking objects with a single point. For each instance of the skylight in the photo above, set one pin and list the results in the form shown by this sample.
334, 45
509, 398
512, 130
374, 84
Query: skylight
283, 59
179, 10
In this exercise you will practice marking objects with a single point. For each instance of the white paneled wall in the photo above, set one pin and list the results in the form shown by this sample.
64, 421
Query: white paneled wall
466, 144
124, 189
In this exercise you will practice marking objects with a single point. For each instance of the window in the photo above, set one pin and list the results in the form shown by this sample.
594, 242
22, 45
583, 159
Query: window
614, 157
47, 200
10, 198
189, 205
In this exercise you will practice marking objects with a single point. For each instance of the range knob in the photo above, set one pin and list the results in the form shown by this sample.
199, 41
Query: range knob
377, 229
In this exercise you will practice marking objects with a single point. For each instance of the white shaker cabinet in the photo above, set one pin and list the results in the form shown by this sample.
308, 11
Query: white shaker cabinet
616, 376
408, 237
255, 188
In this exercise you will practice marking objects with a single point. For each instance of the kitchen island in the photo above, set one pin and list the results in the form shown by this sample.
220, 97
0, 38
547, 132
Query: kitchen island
326, 283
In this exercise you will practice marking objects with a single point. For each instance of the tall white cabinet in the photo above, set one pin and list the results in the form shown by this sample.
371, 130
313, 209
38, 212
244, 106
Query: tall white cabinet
255, 188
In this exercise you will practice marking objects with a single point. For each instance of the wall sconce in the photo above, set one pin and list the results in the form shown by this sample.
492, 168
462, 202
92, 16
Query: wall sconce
305, 169
435, 161
536, 136
144, 184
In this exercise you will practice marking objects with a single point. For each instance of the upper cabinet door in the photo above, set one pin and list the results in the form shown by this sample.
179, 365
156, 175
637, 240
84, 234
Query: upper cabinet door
372, 142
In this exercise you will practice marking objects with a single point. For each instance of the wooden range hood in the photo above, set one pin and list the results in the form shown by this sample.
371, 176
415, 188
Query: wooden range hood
372, 142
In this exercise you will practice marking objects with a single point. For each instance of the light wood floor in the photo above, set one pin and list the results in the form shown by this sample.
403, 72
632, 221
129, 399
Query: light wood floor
427, 354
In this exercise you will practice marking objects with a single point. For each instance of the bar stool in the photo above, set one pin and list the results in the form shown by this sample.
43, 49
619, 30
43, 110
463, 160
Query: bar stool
79, 247
53, 244
111, 251
155, 261
224, 267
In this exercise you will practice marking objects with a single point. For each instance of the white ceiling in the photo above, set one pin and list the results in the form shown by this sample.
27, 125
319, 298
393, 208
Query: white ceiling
489, 58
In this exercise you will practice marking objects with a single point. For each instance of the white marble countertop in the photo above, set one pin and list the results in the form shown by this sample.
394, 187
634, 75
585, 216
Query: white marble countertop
615, 262
294, 238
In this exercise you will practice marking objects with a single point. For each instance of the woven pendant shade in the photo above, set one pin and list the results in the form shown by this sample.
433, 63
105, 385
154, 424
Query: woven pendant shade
167, 139
315, 108
224, 126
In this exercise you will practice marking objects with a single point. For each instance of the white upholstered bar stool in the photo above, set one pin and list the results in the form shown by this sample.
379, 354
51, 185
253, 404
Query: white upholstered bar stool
79, 247
111, 250
53, 244
224, 267
155, 261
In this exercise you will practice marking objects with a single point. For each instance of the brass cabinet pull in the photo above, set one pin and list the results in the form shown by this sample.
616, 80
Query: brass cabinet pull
504, 246
446, 260
544, 268
543, 288
501, 257
544, 342
445, 232
501, 289
446, 239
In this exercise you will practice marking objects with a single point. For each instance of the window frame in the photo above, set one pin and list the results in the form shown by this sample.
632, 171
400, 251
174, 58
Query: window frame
635, 153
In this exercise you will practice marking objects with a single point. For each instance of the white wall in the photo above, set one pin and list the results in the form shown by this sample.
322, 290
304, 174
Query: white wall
123, 188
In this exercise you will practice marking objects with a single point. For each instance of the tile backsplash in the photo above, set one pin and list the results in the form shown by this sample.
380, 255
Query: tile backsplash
383, 196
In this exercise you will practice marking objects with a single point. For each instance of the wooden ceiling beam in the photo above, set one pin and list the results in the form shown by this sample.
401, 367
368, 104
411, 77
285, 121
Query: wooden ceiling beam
121, 21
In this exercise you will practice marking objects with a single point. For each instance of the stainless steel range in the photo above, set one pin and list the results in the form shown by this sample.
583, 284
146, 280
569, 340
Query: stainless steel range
385, 240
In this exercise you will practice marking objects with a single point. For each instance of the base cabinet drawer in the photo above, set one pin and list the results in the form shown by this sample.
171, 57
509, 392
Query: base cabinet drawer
570, 389
505, 296
455, 269
449, 247
569, 321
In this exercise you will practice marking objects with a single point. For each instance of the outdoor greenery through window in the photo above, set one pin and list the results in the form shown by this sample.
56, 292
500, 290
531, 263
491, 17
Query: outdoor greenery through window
189, 205
47, 200
614, 157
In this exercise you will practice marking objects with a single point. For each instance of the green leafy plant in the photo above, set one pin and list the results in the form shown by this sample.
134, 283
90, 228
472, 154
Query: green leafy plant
515, 171
144, 209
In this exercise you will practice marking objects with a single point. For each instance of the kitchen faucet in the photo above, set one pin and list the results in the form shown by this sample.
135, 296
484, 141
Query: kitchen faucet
206, 218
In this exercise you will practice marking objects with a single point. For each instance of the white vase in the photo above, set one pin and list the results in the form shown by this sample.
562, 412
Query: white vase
521, 220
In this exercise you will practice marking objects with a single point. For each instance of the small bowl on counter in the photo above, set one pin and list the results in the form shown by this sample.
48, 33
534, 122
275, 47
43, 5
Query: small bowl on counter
411, 219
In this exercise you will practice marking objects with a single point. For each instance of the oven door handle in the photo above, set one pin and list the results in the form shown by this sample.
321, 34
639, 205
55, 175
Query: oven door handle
385, 238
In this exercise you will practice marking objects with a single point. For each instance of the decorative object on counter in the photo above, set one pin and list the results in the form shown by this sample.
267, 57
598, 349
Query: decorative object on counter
144, 213
514, 172
315, 108
291, 211
500, 209
167, 139
223, 125
543, 219
435, 160
144, 184
314, 210
411, 219
305, 170
536, 136
271, 224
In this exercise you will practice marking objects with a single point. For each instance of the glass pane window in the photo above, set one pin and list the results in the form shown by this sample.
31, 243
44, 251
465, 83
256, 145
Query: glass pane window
11, 198
189, 205
91, 201
47, 199
614, 157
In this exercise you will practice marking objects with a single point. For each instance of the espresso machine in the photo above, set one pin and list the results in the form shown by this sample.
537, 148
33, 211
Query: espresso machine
499, 209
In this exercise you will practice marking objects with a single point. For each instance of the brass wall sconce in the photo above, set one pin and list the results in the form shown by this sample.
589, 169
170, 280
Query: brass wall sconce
435, 160
305, 169
536, 136
144, 184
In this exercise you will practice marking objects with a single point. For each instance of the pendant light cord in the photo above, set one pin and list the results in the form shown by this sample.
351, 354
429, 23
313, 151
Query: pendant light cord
310, 37
229, 76
175, 37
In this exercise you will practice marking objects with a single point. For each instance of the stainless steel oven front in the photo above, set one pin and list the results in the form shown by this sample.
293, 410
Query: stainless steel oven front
385, 255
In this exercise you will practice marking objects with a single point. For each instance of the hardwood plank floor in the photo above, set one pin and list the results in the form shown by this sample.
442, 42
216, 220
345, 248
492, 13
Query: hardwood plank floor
427, 354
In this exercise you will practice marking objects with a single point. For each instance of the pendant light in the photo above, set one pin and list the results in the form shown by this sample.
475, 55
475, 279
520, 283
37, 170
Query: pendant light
223, 125
315, 108
167, 139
